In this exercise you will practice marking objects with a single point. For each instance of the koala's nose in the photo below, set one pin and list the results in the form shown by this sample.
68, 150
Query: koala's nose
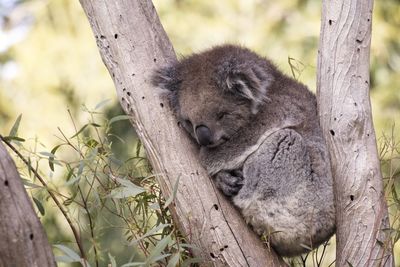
203, 134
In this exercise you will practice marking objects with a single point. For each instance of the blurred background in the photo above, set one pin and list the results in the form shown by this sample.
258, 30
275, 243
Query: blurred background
51, 70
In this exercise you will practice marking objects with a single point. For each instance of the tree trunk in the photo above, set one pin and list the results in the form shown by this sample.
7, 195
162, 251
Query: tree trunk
132, 44
23, 241
345, 115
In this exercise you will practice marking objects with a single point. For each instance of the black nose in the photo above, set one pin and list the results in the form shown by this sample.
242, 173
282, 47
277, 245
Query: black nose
203, 134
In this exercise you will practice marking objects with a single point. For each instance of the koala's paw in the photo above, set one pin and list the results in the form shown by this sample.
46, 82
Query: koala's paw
229, 183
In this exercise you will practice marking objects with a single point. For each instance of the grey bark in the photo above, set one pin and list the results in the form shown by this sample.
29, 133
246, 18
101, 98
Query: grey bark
345, 114
132, 43
23, 241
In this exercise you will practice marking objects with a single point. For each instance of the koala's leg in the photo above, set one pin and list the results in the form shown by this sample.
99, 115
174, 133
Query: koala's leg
279, 166
229, 182
283, 197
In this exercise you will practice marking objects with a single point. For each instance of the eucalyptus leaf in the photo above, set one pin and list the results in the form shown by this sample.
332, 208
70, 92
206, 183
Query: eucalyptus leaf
51, 158
156, 253
112, 260
84, 127
68, 252
150, 233
13, 138
119, 118
14, 128
102, 103
39, 206
47, 154
125, 191
64, 258
173, 261
134, 264
30, 184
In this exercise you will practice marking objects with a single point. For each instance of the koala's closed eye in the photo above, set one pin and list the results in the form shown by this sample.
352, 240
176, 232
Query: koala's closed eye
187, 125
221, 115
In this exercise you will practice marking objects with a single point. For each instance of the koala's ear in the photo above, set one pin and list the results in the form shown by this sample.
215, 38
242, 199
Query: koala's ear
250, 82
167, 78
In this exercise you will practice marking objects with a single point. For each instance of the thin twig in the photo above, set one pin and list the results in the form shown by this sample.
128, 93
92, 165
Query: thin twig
90, 225
319, 262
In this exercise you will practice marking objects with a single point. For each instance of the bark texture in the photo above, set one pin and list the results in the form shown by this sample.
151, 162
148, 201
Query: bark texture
132, 43
345, 115
23, 241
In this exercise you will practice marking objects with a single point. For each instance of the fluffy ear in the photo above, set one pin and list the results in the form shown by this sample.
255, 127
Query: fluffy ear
167, 78
248, 81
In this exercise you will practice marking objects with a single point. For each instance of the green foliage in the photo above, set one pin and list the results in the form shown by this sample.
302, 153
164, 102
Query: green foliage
115, 203
389, 149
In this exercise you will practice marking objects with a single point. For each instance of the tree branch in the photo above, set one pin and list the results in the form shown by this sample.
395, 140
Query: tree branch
345, 115
52, 195
23, 241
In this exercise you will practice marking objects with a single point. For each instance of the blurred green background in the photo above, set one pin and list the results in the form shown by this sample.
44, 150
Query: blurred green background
49, 62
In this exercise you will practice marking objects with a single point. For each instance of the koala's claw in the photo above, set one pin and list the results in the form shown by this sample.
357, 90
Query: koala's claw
229, 183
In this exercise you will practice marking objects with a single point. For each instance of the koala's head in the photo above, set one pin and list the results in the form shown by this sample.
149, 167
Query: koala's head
214, 94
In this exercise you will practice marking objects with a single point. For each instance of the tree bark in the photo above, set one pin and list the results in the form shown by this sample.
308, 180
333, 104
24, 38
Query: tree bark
345, 116
132, 43
23, 241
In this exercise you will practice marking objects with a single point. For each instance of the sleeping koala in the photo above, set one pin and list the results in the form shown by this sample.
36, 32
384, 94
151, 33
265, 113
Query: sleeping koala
260, 140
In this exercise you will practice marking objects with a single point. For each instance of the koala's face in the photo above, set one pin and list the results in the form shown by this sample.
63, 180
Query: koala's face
209, 114
214, 94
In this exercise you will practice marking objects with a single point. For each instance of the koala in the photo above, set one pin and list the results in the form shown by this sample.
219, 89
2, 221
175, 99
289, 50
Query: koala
259, 138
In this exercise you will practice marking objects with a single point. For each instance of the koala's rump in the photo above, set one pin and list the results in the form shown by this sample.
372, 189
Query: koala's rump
283, 198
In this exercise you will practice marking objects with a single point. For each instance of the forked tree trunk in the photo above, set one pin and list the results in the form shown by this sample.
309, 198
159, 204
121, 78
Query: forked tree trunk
23, 242
345, 113
132, 44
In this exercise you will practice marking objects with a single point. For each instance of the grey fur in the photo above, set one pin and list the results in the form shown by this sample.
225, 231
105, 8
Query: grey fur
261, 141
